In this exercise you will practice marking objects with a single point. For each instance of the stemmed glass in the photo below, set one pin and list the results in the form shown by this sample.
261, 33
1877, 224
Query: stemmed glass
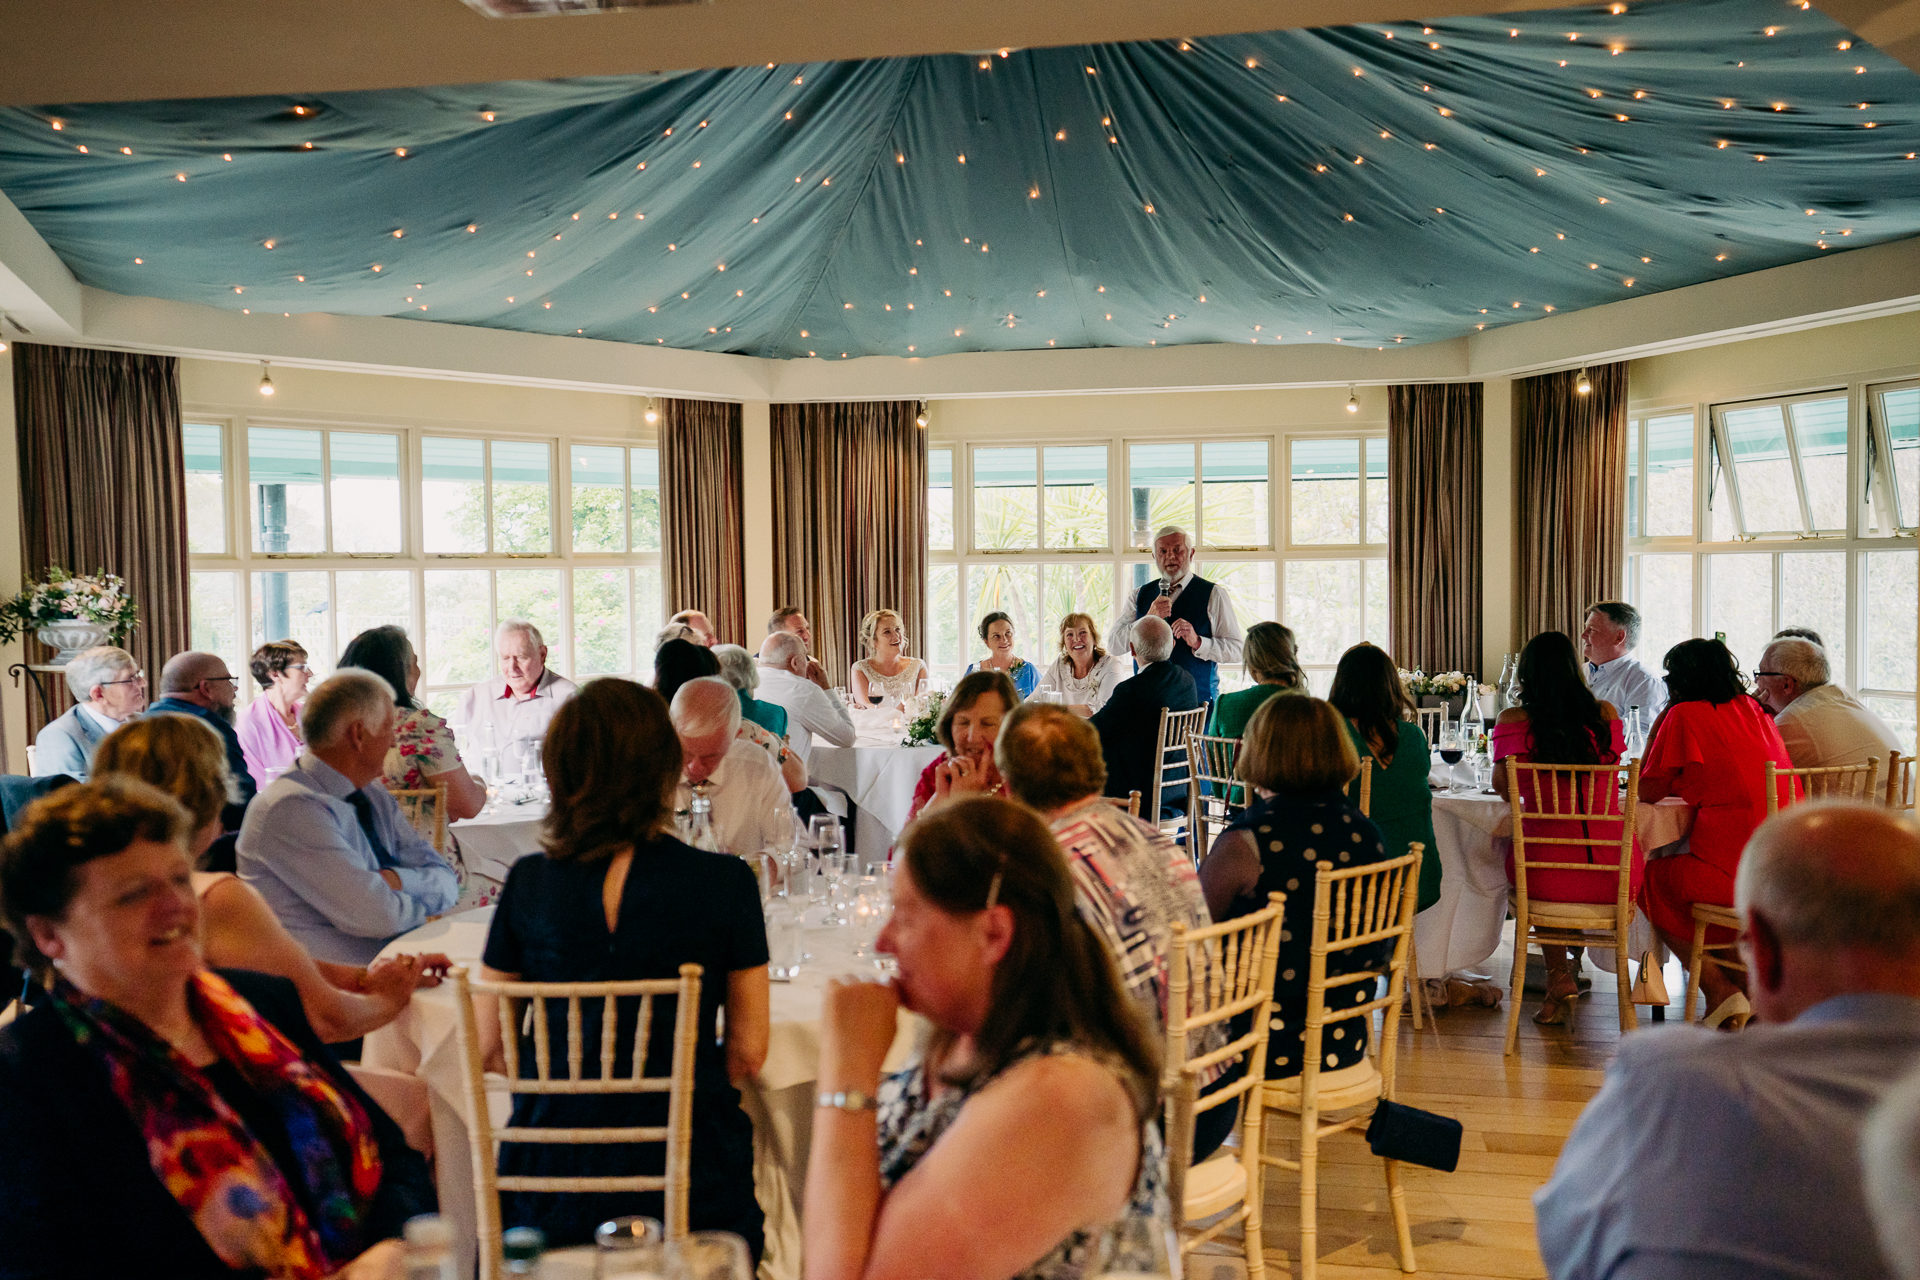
1451, 751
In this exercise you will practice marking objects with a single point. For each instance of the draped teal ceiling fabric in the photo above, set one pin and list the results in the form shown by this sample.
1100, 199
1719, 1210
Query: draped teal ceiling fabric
1364, 184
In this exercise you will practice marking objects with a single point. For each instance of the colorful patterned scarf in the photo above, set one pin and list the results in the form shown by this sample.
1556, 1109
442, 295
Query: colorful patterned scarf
202, 1151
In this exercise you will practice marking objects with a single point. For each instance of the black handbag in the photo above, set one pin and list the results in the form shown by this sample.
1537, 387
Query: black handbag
1408, 1134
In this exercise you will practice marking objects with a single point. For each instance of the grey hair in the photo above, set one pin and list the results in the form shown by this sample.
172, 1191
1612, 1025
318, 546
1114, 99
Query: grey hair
699, 709
1834, 874
1890, 1168
676, 631
348, 697
737, 667
1167, 531
1800, 660
97, 666
521, 626
781, 648
1622, 615
1152, 640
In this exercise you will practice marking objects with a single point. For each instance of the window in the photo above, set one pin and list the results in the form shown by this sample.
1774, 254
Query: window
939, 499
1783, 465
1894, 489
1660, 476
1021, 494
463, 533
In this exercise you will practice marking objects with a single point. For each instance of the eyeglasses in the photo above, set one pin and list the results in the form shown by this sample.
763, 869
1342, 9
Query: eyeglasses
1758, 674
138, 677
298, 666
233, 680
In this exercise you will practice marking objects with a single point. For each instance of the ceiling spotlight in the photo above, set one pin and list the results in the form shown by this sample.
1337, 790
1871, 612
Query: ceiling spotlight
1583, 386
921, 420
653, 412
266, 380
1353, 399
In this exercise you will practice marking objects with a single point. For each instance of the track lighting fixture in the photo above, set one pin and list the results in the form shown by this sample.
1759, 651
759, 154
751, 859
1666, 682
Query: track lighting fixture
266, 380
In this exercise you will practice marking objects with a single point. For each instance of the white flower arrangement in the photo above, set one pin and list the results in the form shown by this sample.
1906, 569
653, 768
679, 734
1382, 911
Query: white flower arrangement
100, 597
1443, 685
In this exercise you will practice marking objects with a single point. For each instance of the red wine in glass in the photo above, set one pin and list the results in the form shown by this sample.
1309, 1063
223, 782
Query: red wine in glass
1452, 755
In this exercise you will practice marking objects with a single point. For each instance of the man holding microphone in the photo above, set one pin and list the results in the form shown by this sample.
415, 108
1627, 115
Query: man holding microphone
1205, 631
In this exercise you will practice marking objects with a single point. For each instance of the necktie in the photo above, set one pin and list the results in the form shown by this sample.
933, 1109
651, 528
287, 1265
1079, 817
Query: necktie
363, 810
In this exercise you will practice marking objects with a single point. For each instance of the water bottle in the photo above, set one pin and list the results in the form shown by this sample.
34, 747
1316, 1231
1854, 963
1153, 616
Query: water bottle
428, 1244
521, 1247
1510, 682
700, 832
1636, 734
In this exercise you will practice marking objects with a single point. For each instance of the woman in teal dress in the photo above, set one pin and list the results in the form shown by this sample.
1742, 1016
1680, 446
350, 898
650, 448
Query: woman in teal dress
996, 632
1368, 692
1270, 659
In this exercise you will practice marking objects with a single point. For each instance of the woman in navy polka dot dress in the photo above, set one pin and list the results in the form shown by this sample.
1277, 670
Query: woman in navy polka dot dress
1299, 759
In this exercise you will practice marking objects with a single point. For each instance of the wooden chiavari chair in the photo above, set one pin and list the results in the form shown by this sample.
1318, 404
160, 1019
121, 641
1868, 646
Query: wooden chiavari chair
1171, 767
1214, 793
1833, 782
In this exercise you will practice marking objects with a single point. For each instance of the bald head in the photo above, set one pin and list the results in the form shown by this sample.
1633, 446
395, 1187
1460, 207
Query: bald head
785, 650
704, 706
1152, 640
184, 671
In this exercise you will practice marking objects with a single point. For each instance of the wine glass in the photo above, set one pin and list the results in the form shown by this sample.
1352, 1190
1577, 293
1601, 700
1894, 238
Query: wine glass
631, 1248
833, 865
1451, 751
709, 1255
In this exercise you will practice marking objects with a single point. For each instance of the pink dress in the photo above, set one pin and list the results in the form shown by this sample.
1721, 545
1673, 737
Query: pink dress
266, 740
1514, 741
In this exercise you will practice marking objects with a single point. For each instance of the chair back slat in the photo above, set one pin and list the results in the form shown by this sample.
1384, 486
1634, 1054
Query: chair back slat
1899, 781
1366, 785
1430, 720
425, 810
516, 1019
1171, 766
1341, 923
1831, 782
1214, 793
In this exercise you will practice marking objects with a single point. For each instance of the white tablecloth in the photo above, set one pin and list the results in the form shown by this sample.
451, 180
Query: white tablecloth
1474, 835
424, 1041
493, 842
879, 775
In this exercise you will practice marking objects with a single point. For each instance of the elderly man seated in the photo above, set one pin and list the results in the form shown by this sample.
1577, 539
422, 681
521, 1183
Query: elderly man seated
696, 622
1129, 725
1822, 724
811, 711
327, 847
108, 689
1712, 1156
199, 685
750, 801
1131, 883
790, 619
515, 706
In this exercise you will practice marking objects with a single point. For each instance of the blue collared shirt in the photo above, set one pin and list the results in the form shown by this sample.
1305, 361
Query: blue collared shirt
1714, 1156
303, 848
1627, 682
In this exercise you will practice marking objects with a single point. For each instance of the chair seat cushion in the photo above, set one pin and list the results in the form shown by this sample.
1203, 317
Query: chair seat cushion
1347, 1087
1590, 913
1214, 1185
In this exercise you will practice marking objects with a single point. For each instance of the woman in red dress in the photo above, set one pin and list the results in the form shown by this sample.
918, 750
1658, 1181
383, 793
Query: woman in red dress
1710, 747
1559, 721
969, 725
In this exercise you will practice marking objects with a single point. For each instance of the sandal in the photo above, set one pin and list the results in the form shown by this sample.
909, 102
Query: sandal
1562, 991
1731, 1015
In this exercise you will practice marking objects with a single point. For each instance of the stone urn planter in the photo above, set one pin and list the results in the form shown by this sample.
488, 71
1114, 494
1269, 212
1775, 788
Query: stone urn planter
71, 638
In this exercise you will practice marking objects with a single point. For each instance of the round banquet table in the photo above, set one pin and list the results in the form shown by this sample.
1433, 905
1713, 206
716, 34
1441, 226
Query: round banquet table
1474, 834
878, 774
424, 1042
493, 842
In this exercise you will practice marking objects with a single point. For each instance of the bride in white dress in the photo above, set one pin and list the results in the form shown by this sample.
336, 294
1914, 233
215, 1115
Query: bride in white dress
886, 675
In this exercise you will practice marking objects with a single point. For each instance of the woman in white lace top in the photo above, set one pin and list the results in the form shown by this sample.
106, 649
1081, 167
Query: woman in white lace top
886, 675
1084, 675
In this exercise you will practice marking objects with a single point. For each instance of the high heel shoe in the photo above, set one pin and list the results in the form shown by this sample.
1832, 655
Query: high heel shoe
1562, 991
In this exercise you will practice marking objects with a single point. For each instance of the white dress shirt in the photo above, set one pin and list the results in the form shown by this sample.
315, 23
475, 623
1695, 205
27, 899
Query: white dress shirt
749, 799
1827, 726
810, 710
1628, 682
1224, 645
511, 719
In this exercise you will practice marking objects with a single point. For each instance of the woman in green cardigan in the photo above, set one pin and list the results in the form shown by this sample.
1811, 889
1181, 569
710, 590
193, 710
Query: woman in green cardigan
1368, 692
1269, 658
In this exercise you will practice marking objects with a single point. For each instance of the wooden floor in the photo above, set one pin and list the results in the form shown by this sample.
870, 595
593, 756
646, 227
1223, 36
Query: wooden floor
1478, 1220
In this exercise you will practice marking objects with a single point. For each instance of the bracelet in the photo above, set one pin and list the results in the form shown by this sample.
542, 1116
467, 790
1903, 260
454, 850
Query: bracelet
848, 1100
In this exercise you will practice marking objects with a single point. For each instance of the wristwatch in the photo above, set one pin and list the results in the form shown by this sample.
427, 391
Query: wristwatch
848, 1100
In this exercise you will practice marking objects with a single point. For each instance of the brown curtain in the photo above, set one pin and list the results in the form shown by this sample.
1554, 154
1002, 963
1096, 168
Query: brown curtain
103, 486
1570, 492
1433, 538
700, 498
850, 520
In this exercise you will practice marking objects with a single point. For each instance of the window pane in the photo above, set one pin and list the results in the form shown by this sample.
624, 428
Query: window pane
1664, 596
293, 606
1813, 593
534, 594
1898, 713
942, 645
1902, 411
459, 640
1888, 587
1378, 626
1740, 603
366, 491
1250, 586
1160, 484
1072, 588
645, 498
599, 515
1820, 431
206, 490
1379, 505
1006, 505
522, 496
453, 496
649, 615
367, 600
283, 474
1077, 496
1633, 478
1769, 502
1233, 497
1720, 499
1323, 608
1013, 589
1324, 493
214, 622
602, 633
1669, 476
940, 499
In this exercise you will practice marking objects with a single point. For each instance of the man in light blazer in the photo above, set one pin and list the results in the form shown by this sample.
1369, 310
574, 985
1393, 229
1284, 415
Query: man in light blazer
108, 690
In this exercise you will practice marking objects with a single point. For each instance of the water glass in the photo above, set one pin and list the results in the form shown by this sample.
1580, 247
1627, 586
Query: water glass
631, 1248
784, 951
709, 1255
833, 866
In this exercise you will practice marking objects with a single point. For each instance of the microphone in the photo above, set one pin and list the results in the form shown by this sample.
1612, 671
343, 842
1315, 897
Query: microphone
1166, 586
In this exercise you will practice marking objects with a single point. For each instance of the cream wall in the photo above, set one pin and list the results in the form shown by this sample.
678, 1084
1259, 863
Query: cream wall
1834, 356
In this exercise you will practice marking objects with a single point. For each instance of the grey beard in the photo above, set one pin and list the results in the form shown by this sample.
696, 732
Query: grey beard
225, 713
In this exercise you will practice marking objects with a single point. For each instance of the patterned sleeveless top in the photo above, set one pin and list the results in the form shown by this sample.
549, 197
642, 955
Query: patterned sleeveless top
893, 688
911, 1121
